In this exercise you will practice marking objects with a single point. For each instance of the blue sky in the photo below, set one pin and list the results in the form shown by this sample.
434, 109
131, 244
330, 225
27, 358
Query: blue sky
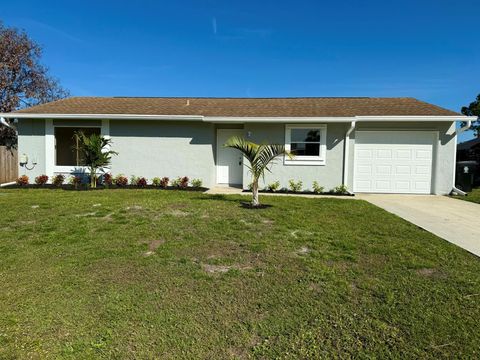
426, 49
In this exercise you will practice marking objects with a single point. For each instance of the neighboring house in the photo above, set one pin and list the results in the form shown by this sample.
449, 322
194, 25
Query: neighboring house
469, 150
384, 145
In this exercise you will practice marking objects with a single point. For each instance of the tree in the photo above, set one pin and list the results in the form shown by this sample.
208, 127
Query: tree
24, 81
94, 150
474, 110
259, 157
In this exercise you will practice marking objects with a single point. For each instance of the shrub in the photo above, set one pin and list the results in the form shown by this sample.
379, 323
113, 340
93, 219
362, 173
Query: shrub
141, 182
181, 182
156, 181
75, 180
273, 187
58, 180
196, 183
41, 180
317, 189
120, 180
107, 179
295, 186
164, 182
22, 180
340, 189
134, 180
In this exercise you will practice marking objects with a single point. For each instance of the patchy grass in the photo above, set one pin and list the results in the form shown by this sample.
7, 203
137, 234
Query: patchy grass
155, 274
473, 196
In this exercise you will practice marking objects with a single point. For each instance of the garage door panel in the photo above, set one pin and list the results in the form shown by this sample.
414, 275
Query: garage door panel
403, 154
364, 154
382, 185
383, 154
402, 185
422, 170
383, 170
423, 154
393, 161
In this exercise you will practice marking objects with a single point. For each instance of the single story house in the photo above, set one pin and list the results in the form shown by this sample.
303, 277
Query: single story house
379, 145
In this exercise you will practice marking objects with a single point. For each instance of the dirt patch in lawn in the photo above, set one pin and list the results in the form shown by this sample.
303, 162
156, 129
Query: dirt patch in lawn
87, 214
134, 207
303, 250
430, 273
219, 269
152, 246
178, 213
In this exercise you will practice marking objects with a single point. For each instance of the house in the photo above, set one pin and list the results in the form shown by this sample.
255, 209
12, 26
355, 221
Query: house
469, 150
383, 145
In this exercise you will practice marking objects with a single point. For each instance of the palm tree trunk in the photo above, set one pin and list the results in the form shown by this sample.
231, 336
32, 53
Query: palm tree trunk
255, 201
93, 178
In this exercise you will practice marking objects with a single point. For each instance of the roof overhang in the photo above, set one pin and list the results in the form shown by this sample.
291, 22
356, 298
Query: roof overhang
233, 119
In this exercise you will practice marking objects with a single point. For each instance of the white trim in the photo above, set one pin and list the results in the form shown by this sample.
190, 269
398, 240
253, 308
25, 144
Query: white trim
49, 148
270, 119
346, 154
240, 119
434, 149
102, 116
414, 118
50, 152
306, 160
218, 147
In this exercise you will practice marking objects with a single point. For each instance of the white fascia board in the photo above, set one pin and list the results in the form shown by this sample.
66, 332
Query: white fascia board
263, 119
103, 116
239, 119
432, 118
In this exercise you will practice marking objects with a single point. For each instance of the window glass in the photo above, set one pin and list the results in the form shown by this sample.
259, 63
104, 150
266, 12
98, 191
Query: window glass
305, 135
305, 149
65, 152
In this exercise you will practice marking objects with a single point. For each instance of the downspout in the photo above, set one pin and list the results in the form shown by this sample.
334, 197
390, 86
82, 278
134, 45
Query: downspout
458, 132
346, 155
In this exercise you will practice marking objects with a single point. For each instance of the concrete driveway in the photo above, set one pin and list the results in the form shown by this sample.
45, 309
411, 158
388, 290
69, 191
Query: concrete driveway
456, 221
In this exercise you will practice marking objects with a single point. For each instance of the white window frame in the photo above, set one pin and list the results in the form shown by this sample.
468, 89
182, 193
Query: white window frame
307, 160
51, 167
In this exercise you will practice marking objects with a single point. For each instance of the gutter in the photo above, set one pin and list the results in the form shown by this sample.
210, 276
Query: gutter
239, 119
346, 154
458, 132
102, 116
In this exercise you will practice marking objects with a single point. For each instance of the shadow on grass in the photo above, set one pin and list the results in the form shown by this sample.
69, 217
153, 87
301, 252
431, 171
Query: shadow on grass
231, 198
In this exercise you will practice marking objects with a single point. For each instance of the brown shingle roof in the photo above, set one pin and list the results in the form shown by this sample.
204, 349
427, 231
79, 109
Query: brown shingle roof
241, 107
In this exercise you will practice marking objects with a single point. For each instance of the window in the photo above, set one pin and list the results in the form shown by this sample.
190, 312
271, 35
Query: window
307, 143
65, 153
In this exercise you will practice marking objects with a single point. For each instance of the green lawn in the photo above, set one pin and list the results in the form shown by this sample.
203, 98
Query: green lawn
473, 196
169, 274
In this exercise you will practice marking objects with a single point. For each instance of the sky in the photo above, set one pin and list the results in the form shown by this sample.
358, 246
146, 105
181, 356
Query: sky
427, 49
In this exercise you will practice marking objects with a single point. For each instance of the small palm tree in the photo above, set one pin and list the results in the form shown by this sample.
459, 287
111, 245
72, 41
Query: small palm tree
94, 152
259, 157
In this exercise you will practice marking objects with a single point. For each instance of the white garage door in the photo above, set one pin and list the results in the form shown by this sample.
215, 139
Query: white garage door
394, 161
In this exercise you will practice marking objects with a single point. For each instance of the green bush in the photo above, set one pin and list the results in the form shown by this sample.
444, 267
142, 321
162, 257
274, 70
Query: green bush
134, 180
317, 189
196, 183
295, 186
156, 181
273, 187
340, 190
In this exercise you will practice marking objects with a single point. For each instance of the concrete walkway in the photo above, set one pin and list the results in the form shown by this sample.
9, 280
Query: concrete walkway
456, 221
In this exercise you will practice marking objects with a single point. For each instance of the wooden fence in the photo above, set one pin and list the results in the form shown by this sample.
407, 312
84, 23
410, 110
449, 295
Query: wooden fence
8, 165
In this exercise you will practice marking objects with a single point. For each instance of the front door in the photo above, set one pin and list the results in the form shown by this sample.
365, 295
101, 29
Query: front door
229, 161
